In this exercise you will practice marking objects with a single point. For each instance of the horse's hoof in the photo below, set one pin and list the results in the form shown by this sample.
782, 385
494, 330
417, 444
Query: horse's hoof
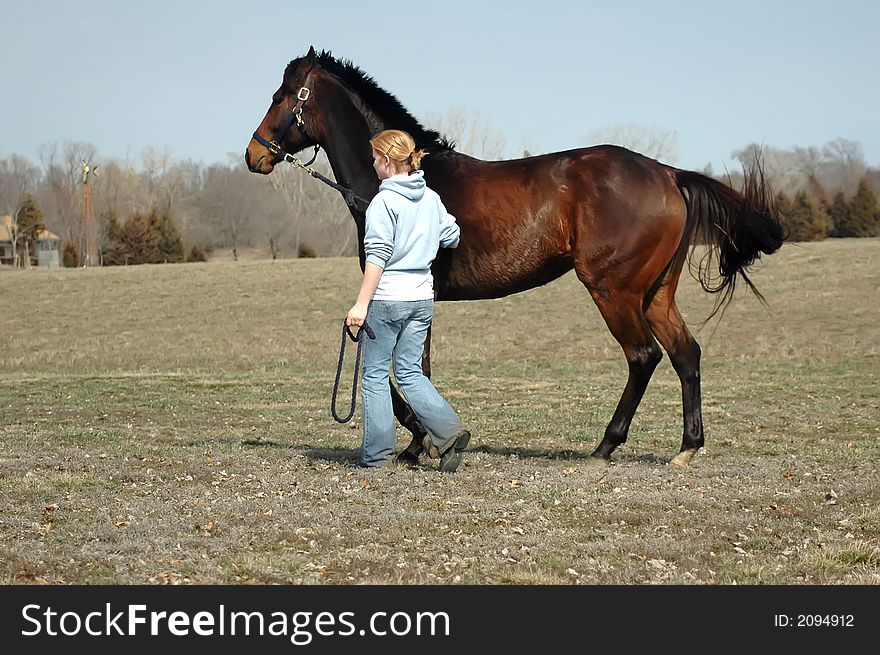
596, 462
407, 458
683, 459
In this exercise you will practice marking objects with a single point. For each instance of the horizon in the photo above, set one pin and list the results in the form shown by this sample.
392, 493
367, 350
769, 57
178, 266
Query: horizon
128, 78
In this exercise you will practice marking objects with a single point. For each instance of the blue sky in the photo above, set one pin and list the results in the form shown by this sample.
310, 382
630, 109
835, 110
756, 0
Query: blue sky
197, 77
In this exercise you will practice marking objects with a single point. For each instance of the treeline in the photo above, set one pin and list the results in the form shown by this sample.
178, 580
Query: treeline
24, 231
812, 216
156, 209
161, 210
146, 238
821, 192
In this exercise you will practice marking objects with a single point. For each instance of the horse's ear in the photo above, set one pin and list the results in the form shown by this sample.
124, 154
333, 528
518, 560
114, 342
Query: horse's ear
310, 57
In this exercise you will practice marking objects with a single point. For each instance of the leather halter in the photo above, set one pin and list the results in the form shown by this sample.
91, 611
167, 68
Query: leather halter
274, 146
351, 198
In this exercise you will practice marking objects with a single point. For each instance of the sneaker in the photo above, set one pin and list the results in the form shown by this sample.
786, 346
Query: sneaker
451, 458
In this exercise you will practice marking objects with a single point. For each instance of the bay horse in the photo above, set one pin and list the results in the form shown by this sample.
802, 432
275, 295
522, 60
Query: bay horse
624, 222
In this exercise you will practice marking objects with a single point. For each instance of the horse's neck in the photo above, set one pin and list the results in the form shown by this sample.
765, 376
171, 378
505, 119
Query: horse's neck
349, 168
349, 126
347, 144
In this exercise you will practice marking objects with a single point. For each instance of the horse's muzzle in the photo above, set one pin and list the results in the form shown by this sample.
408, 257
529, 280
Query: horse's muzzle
258, 163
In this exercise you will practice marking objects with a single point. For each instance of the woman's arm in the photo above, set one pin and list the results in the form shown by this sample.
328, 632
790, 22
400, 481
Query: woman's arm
357, 314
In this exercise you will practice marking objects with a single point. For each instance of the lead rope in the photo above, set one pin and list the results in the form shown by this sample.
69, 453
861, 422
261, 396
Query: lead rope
351, 198
346, 331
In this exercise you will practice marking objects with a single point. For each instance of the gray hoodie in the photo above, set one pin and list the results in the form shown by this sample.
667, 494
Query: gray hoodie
406, 224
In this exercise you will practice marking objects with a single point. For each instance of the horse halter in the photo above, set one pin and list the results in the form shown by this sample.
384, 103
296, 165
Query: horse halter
274, 145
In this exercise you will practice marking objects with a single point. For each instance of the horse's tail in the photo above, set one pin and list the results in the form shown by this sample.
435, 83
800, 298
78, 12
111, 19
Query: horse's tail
734, 227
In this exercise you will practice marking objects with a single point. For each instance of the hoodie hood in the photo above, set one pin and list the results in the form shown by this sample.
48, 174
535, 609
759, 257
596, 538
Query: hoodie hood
411, 187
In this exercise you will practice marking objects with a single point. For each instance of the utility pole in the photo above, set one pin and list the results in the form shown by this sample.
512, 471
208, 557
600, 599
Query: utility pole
88, 248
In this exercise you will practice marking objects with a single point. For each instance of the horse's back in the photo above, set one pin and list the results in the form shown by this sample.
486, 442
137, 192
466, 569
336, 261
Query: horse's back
525, 221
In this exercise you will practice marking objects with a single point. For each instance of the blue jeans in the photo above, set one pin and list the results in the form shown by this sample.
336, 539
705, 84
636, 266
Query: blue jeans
400, 328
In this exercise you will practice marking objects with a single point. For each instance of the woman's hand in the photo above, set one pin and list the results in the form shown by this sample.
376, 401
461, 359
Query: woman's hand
357, 315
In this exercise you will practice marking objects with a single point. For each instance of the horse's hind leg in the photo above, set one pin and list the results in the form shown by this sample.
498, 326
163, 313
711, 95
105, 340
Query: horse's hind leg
626, 320
407, 417
684, 353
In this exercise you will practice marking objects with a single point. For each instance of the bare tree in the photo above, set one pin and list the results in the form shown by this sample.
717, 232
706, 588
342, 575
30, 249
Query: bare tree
839, 164
119, 190
273, 224
18, 179
654, 142
331, 231
233, 205
784, 169
164, 178
809, 161
62, 166
177, 186
288, 182
315, 215
155, 165
845, 163
471, 132
327, 225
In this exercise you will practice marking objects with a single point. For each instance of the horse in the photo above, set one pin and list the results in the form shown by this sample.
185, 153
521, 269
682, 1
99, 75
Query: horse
624, 222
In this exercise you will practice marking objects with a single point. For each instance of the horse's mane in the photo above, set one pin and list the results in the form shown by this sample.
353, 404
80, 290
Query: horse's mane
379, 100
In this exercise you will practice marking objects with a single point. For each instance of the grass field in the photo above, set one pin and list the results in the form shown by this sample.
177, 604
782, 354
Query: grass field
170, 424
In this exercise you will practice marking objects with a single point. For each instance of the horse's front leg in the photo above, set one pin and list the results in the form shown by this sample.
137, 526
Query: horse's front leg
407, 417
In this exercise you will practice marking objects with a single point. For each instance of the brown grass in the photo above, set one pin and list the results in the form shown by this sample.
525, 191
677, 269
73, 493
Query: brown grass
170, 424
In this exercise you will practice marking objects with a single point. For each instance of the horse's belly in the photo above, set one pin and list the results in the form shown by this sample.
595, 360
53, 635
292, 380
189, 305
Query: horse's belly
496, 277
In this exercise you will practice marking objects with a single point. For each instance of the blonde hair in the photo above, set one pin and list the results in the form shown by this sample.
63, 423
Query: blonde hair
399, 147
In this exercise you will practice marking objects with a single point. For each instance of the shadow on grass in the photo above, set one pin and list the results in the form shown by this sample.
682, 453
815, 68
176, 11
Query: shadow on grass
344, 456
569, 455
262, 443
348, 456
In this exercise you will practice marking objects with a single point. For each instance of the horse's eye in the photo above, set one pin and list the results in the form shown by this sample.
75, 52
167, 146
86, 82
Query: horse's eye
276, 100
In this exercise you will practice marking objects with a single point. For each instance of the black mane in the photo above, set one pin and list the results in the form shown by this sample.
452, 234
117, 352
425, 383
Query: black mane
377, 99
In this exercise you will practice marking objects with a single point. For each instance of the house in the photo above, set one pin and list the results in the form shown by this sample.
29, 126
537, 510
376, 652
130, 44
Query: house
45, 252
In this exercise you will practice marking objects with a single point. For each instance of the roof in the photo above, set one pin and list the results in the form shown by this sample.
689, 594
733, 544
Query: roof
6, 231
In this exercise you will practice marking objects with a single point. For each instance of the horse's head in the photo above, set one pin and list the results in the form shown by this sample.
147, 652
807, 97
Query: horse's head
287, 127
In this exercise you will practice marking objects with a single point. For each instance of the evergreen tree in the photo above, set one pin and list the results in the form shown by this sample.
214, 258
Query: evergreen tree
141, 235
783, 207
142, 239
817, 189
783, 203
196, 254
114, 253
863, 210
838, 213
170, 245
807, 220
29, 220
133, 242
70, 255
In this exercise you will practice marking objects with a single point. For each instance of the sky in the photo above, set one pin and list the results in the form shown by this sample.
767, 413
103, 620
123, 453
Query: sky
194, 78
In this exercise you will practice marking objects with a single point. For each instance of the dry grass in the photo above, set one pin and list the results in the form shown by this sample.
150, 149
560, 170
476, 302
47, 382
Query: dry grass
170, 424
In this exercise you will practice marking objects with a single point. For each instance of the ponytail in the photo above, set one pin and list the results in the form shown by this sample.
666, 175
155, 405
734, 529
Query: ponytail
415, 159
399, 147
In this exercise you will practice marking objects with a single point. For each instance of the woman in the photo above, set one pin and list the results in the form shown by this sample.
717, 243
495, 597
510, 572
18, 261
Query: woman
406, 224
